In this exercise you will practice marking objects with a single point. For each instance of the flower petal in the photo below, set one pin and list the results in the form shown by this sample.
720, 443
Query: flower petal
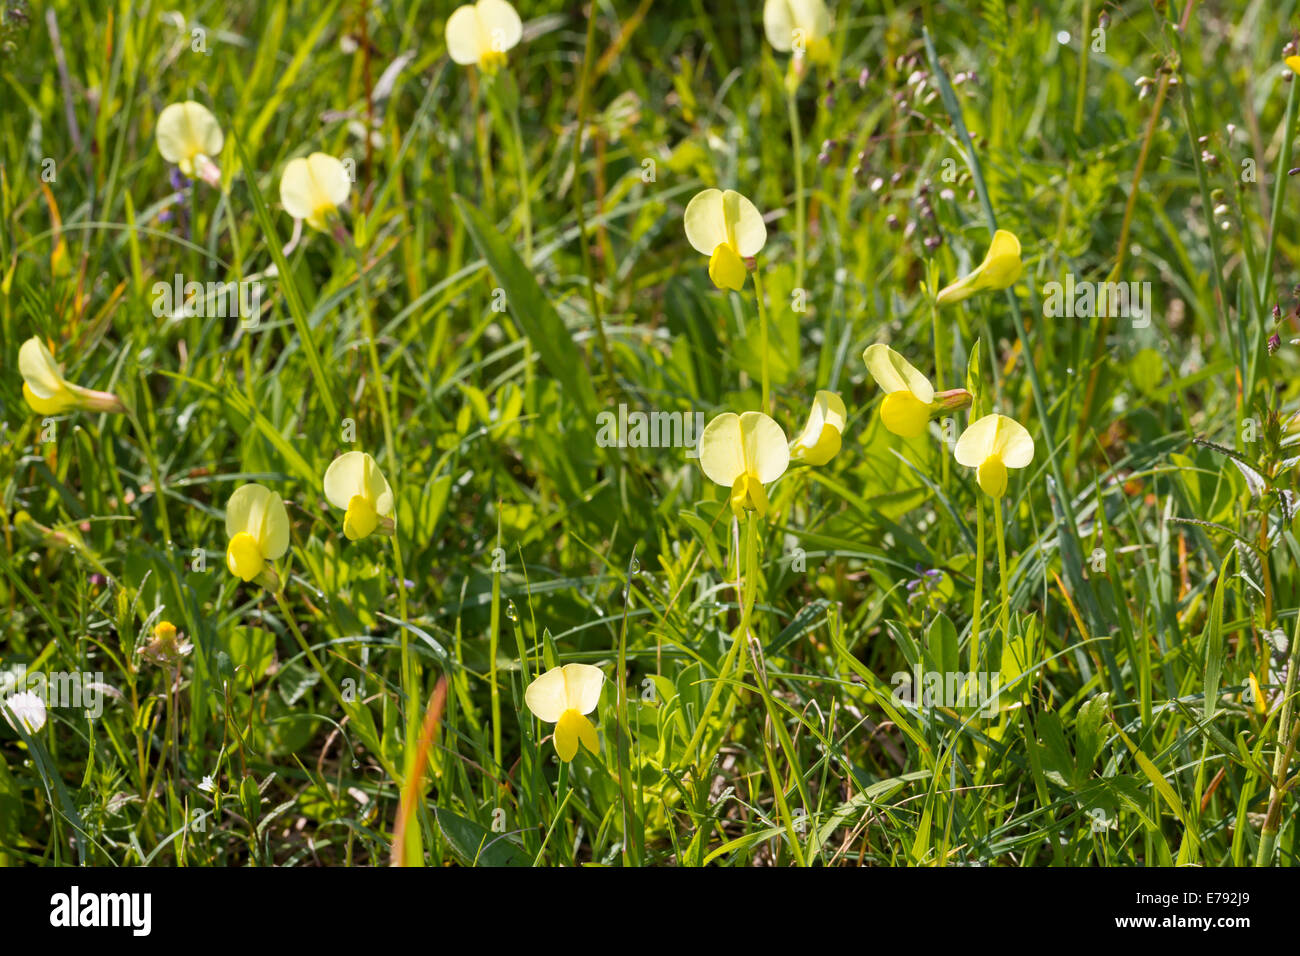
345, 477
791, 23
722, 450
977, 442
1014, 445
500, 25
312, 187
356, 473
767, 450
244, 557
992, 476
39, 369
904, 415
706, 223
546, 696
464, 36
726, 268
187, 130
28, 709
778, 24
820, 439
746, 232
999, 270
893, 373
582, 683
258, 511
568, 729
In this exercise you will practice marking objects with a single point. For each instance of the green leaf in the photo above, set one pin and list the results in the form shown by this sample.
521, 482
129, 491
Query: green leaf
531, 310
475, 845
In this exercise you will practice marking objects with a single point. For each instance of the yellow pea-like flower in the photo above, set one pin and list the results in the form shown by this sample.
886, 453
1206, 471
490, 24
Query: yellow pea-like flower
992, 445
744, 453
258, 527
479, 34
312, 189
802, 27
820, 439
909, 396
728, 228
1293, 64
190, 136
999, 270
564, 696
49, 393
354, 483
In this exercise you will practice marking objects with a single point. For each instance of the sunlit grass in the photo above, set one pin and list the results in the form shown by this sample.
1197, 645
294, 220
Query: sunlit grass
452, 266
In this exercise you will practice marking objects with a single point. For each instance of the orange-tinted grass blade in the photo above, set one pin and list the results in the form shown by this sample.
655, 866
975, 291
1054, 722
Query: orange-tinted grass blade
402, 851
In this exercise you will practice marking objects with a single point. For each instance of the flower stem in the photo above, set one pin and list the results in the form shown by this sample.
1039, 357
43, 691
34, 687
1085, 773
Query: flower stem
1002, 564
762, 342
979, 587
1286, 740
151, 456
796, 143
748, 593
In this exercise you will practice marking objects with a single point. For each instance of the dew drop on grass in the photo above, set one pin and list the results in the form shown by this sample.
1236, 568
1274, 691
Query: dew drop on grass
512, 612
634, 567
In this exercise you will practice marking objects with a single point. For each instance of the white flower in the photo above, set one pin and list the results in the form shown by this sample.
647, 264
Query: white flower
28, 709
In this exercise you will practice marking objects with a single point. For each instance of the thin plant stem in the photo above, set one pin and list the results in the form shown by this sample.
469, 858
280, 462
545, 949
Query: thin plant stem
1002, 564
979, 587
796, 143
1286, 737
762, 342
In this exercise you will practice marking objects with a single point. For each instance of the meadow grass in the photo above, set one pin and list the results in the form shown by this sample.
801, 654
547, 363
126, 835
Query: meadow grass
510, 264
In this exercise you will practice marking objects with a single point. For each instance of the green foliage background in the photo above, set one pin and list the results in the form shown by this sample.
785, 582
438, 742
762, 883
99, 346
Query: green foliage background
1150, 578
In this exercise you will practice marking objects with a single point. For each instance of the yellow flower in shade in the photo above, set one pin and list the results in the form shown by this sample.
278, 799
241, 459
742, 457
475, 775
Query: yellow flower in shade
189, 136
354, 482
564, 696
819, 441
992, 445
258, 527
726, 227
479, 34
799, 26
743, 453
49, 393
999, 270
314, 188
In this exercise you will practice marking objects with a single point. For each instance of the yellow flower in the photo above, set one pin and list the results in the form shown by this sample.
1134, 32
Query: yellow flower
564, 696
799, 26
999, 270
992, 445
314, 188
819, 441
726, 227
189, 136
479, 34
258, 526
354, 482
743, 453
909, 396
1293, 64
49, 393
